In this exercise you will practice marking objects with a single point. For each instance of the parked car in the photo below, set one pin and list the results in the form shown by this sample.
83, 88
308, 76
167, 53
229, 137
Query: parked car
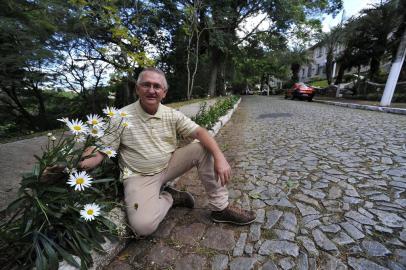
300, 91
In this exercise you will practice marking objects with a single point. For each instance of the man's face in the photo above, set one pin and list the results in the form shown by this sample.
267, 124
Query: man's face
151, 91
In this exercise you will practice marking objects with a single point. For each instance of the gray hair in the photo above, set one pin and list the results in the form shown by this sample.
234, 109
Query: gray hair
155, 70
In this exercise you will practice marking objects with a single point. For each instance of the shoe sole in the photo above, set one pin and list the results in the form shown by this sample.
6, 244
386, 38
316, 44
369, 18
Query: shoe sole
193, 199
232, 222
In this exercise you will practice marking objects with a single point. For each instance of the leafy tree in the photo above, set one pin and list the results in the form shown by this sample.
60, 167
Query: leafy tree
283, 15
297, 57
332, 41
366, 38
27, 38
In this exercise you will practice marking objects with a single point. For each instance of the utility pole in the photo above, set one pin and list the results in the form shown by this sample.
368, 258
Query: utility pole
394, 73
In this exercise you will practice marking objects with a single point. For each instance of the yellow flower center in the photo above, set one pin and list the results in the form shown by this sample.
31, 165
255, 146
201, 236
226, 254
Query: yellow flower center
77, 128
90, 212
111, 113
123, 114
108, 152
80, 181
94, 131
95, 122
125, 124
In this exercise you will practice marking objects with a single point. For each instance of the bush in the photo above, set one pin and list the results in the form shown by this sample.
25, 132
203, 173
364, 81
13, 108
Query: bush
207, 118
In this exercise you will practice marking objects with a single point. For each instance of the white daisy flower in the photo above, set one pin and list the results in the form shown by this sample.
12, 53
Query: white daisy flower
53, 138
90, 211
70, 171
49, 134
79, 138
63, 120
123, 114
110, 111
80, 180
77, 127
126, 124
109, 152
96, 132
94, 120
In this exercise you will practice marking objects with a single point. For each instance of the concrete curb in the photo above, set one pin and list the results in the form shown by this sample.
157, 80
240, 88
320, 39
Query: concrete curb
118, 216
363, 107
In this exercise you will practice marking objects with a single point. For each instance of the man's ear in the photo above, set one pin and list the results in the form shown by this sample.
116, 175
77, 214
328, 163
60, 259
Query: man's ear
165, 92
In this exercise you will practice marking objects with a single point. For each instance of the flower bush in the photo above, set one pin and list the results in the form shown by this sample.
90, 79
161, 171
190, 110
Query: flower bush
60, 209
208, 117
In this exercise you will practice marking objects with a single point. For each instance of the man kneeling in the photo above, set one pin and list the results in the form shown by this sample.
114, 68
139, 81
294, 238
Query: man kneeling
149, 158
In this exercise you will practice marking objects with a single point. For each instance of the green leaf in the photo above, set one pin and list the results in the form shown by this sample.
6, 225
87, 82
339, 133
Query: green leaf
40, 261
56, 189
66, 256
52, 255
15, 204
36, 168
255, 196
104, 180
28, 225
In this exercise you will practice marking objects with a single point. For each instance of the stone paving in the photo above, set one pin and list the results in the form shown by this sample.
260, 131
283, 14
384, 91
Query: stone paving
328, 185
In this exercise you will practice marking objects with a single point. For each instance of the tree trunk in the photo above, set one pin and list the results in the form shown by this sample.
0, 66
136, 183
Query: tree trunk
374, 67
126, 94
213, 79
340, 74
329, 67
295, 72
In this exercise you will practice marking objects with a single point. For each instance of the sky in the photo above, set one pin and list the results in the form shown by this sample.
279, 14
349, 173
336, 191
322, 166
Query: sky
351, 7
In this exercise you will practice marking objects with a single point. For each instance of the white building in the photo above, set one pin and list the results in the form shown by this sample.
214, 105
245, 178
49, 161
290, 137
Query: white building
316, 69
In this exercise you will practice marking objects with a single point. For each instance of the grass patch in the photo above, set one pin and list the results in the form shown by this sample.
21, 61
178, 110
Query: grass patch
321, 84
206, 251
174, 243
268, 234
176, 105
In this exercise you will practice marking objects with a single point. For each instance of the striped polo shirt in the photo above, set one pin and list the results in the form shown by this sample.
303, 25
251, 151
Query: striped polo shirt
147, 145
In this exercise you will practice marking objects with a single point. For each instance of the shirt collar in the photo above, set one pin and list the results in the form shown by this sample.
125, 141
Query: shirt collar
146, 116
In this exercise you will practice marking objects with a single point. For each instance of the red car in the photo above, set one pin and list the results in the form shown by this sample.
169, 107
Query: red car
300, 91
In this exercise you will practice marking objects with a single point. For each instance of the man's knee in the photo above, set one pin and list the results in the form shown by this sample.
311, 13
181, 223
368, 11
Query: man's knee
201, 149
143, 226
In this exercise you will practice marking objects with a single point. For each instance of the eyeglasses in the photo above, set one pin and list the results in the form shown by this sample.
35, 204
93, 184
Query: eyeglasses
148, 85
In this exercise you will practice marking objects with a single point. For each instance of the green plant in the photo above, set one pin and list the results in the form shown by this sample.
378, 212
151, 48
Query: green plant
59, 210
320, 84
208, 117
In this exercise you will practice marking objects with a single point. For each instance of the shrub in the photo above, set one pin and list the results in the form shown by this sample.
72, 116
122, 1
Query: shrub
208, 117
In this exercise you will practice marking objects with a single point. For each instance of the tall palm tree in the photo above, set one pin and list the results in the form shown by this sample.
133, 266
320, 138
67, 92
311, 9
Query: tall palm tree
297, 57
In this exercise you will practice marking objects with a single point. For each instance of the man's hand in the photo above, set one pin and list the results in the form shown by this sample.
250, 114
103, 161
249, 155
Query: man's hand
223, 170
91, 159
53, 174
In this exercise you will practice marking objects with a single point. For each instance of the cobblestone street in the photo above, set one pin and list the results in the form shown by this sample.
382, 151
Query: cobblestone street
328, 185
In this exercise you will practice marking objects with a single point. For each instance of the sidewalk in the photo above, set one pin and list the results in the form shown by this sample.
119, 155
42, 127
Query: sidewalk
397, 108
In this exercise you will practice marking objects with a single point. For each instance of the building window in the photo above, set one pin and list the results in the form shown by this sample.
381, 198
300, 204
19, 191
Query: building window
309, 71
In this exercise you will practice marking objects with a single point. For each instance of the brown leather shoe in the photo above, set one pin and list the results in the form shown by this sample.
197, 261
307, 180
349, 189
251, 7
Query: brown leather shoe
180, 198
233, 214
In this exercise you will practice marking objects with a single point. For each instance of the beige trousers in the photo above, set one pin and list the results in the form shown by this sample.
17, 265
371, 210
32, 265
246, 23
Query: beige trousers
147, 205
